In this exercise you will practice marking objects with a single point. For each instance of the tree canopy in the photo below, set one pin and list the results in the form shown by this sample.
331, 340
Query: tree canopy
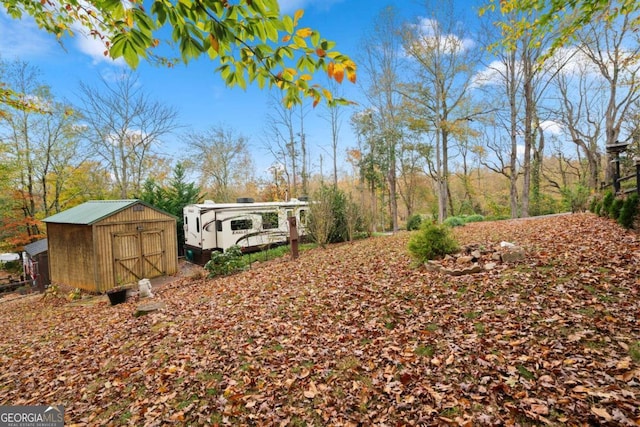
251, 40
566, 16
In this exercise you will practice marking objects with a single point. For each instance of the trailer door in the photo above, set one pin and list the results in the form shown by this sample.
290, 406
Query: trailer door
199, 227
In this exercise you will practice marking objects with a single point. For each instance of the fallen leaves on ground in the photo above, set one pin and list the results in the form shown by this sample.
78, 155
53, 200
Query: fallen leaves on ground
355, 335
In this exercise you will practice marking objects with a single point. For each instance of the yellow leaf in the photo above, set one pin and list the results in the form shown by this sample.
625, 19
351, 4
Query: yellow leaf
306, 77
351, 75
304, 32
327, 94
297, 16
286, 38
214, 43
338, 72
330, 69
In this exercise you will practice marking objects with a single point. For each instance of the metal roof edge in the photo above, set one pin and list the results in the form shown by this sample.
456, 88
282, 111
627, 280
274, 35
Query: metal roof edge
125, 204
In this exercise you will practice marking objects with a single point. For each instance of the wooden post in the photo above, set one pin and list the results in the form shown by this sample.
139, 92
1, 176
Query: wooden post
293, 236
637, 160
616, 173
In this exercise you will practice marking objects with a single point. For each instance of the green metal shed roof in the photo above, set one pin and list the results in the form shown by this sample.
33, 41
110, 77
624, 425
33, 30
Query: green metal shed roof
91, 212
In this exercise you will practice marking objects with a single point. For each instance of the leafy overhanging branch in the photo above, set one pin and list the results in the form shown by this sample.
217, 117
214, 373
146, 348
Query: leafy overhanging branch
250, 39
565, 16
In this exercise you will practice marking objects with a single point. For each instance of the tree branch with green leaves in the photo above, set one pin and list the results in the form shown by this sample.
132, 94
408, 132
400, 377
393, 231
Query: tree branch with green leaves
252, 42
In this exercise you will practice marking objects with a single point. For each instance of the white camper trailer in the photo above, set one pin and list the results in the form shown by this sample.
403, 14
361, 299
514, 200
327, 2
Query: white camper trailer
213, 226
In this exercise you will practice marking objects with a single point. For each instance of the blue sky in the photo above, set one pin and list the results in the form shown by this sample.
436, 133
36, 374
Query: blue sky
195, 90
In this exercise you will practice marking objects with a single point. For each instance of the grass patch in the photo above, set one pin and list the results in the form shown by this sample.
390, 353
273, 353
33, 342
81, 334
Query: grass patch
425, 351
472, 314
591, 289
595, 345
390, 324
450, 412
432, 327
161, 325
187, 401
634, 351
348, 364
125, 417
274, 252
587, 311
275, 347
209, 376
525, 373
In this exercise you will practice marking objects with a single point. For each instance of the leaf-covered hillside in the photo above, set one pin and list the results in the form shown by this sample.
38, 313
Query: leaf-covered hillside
355, 335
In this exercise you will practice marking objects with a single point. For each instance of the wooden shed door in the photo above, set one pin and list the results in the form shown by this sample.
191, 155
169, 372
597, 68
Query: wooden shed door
153, 250
138, 254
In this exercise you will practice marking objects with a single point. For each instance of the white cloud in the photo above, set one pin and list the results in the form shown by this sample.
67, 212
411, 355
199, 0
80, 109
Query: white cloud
551, 127
433, 36
92, 46
567, 61
489, 76
572, 61
22, 39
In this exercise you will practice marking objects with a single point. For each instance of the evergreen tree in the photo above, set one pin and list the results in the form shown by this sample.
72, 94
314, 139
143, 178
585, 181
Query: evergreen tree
172, 199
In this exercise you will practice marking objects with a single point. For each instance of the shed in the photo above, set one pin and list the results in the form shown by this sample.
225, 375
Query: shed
36, 263
102, 244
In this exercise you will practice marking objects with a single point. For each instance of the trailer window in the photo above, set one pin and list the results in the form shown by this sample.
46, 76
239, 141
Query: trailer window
219, 225
269, 220
197, 225
241, 224
303, 216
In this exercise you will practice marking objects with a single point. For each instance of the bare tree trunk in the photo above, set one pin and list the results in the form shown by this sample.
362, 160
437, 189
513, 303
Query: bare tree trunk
529, 106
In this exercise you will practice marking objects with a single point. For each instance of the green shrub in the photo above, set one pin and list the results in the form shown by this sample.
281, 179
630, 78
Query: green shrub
223, 263
473, 218
414, 222
334, 216
598, 209
575, 198
544, 204
616, 207
12, 267
454, 221
607, 201
629, 211
594, 204
432, 241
